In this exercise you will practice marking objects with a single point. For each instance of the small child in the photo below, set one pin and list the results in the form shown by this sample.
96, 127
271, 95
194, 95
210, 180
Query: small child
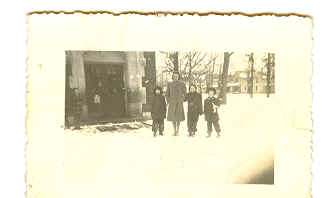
211, 113
158, 111
194, 101
99, 99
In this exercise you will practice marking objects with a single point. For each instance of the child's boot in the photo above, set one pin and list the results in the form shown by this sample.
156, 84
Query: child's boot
218, 134
175, 133
174, 129
177, 129
209, 133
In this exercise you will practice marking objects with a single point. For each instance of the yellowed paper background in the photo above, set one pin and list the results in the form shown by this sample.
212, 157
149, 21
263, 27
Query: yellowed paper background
57, 163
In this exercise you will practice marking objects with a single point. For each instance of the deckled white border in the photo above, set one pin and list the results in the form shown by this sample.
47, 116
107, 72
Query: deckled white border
303, 140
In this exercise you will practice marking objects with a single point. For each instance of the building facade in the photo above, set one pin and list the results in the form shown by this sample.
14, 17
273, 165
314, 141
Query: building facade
124, 79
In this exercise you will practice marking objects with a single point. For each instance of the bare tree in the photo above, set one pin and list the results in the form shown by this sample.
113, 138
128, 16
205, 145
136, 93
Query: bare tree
250, 74
224, 77
220, 76
272, 82
195, 65
212, 73
269, 62
174, 59
171, 61
191, 65
270, 73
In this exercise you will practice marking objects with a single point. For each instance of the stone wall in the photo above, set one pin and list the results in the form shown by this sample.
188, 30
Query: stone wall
134, 70
77, 79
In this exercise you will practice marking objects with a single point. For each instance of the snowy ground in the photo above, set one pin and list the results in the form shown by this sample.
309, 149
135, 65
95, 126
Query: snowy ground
244, 152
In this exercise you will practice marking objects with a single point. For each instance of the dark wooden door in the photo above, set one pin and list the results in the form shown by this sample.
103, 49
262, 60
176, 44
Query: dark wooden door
115, 85
107, 77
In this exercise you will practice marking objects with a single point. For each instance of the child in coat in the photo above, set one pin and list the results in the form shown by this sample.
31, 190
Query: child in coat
194, 103
158, 111
211, 114
99, 94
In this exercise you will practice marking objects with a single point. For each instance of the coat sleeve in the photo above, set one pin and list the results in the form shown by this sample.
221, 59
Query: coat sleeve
217, 102
186, 97
167, 94
152, 105
164, 107
200, 104
184, 91
205, 107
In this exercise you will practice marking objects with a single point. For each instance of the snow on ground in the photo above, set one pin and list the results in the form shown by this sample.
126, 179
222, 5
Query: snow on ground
134, 156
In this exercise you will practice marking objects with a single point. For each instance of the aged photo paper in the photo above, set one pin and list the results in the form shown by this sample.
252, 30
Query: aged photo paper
167, 105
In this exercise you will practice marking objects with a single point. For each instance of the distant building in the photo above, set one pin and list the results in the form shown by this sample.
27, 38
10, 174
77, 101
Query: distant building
259, 82
239, 82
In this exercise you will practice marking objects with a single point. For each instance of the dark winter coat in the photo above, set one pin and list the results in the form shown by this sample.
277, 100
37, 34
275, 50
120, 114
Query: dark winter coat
210, 115
101, 91
158, 107
194, 105
175, 96
76, 104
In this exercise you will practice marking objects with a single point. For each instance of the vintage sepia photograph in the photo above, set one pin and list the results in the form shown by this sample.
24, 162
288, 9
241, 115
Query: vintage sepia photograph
161, 93
167, 105
111, 87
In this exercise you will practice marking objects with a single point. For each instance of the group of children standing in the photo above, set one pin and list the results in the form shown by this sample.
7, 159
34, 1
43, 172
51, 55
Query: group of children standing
195, 109
170, 106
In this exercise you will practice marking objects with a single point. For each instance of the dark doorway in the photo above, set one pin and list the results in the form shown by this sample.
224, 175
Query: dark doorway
105, 91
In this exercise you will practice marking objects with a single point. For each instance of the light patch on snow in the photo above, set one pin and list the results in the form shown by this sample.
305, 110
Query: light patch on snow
134, 156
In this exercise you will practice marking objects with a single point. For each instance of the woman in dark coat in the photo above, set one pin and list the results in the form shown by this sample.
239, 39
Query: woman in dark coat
194, 104
158, 111
175, 96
